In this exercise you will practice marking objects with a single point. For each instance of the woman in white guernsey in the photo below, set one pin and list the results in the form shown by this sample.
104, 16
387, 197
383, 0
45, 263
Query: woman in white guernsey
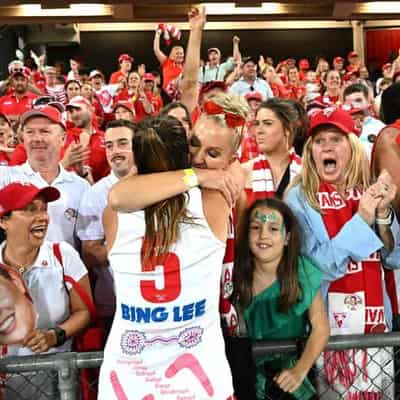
166, 340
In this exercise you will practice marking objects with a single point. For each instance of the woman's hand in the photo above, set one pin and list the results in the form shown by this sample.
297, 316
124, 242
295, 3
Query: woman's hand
40, 341
290, 379
386, 190
368, 205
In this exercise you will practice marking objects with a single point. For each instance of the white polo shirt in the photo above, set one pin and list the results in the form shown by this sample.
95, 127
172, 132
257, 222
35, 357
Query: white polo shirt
94, 201
90, 227
64, 211
45, 282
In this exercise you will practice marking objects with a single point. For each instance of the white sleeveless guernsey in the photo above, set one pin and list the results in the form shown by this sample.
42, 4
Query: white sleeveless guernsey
166, 341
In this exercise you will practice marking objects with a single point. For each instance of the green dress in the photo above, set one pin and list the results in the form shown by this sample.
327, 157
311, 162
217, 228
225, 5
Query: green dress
264, 322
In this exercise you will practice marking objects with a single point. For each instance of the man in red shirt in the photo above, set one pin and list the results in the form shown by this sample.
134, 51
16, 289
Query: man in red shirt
84, 144
172, 66
20, 101
125, 65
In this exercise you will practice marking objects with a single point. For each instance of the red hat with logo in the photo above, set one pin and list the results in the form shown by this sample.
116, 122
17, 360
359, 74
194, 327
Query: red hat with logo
332, 116
126, 104
49, 112
352, 54
304, 63
254, 96
350, 74
148, 76
78, 102
337, 60
386, 66
17, 196
125, 57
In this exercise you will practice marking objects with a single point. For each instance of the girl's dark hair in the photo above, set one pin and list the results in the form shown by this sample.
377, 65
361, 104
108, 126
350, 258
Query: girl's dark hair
287, 275
300, 125
176, 104
285, 112
69, 82
160, 145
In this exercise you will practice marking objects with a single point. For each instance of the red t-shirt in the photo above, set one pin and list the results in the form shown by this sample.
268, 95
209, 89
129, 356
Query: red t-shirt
97, 159
170, 71
156, 101
295, 92
11, 105
115, 76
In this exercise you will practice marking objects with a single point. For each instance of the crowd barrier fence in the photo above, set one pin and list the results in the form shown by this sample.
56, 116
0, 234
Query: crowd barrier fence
56, 376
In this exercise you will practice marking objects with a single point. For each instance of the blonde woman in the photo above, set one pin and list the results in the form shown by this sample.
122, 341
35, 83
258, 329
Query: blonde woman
348, 228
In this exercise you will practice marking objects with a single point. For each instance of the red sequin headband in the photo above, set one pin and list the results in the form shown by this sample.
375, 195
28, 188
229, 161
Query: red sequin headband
232, 120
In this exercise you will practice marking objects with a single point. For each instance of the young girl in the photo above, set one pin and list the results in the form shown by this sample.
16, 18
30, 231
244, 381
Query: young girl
278, 291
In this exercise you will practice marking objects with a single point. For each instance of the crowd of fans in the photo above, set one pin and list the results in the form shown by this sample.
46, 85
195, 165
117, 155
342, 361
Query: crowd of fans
305, 156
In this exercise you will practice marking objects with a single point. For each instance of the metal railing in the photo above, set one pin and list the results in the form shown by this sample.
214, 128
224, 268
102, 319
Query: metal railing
19, 375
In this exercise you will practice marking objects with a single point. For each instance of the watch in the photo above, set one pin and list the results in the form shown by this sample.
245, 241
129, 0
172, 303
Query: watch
61, 336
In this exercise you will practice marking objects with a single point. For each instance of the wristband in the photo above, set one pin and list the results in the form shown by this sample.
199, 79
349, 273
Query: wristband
385, 221
61, 336
190, 178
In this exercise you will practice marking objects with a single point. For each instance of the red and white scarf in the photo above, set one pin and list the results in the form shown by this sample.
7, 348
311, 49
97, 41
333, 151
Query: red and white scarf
262, 185
355, 303
227, 310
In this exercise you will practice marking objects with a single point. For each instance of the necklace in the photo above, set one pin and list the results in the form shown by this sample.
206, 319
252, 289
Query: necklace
20, 268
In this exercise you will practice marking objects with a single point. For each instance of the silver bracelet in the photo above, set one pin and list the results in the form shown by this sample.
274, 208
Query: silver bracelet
385, 221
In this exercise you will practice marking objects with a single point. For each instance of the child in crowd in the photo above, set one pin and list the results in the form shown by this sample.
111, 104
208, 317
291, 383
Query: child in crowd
278, 291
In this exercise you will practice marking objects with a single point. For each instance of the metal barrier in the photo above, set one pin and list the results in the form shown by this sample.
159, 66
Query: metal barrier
29, 377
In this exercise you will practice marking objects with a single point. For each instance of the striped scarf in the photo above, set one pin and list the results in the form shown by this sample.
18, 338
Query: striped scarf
355, 304
262, 185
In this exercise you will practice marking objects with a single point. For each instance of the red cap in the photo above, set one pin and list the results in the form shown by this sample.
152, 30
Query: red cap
48, 112
78, 102
254, 96
291, 61
352, 54
338, 60
17, 195
125, 57
126, 104
148, 76
348, 75
24, 71
207, 87
332, 116
386, 66
304, 64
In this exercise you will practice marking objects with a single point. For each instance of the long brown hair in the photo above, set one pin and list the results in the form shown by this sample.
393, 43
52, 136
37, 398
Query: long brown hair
160, 145
287, 273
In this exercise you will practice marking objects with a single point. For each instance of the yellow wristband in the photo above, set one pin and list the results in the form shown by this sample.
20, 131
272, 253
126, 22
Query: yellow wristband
190, 178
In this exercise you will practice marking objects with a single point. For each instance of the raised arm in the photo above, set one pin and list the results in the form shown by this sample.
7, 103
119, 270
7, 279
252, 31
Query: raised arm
237, 57
189, 84
136, 192
161, 57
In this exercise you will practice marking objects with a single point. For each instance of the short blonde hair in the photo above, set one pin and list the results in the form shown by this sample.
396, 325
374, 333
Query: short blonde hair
233, 104
357, 174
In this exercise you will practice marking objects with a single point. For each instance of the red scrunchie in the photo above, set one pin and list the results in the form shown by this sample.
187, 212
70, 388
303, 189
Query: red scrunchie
232, 120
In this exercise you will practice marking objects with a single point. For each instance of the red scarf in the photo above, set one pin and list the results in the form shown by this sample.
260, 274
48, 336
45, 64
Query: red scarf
361, 288
262, 185
355, 305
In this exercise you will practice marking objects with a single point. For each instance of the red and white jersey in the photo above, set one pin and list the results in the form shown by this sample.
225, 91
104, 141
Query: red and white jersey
166, 340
